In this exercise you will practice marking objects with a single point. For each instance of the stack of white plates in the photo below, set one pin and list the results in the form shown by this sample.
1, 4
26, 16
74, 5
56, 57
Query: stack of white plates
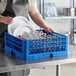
21, 28
17, 21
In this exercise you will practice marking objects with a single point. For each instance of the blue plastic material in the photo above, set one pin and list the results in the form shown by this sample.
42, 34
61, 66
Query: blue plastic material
35, 49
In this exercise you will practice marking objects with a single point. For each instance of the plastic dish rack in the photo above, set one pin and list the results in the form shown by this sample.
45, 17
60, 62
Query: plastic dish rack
38, 48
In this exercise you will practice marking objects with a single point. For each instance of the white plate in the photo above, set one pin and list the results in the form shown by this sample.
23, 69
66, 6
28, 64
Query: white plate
34, 35
27, 36
9, 29
37, 35
29, 26
17, 21
19, 30
21, 18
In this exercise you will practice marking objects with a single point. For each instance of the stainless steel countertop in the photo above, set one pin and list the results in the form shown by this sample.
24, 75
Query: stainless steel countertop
8, 64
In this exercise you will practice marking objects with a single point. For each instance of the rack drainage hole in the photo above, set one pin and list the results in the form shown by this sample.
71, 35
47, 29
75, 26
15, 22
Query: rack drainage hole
51, 55
12, 53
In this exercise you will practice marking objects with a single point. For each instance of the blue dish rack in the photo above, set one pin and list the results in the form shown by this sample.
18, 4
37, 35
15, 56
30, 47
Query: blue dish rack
38, 48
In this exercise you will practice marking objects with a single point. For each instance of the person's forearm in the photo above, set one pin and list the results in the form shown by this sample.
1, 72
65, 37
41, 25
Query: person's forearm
6, 20
37, 18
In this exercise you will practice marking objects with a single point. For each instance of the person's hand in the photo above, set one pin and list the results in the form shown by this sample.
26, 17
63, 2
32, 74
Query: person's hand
48, 29
6, 20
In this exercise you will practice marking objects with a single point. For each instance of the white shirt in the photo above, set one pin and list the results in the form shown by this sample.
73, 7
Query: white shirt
21, 7
3, 4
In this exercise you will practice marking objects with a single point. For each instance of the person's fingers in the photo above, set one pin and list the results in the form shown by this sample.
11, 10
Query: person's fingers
47, 29
51, 30
8, 20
